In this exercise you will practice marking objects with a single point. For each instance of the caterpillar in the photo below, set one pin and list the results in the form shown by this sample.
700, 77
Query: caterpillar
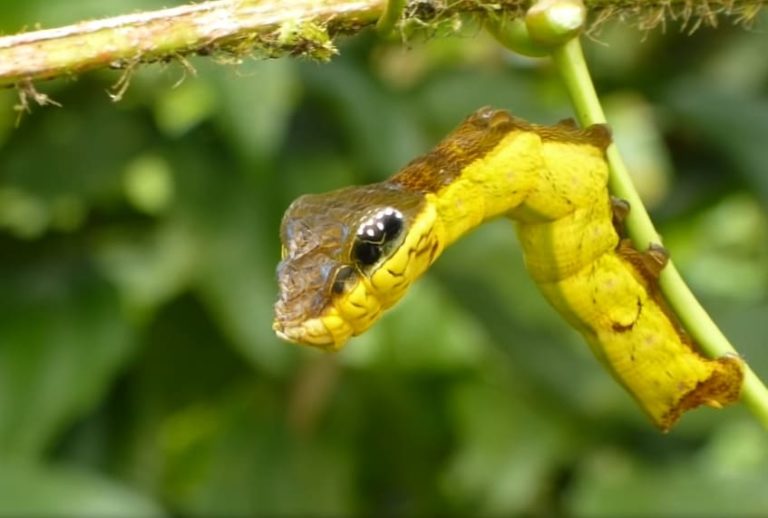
350, 254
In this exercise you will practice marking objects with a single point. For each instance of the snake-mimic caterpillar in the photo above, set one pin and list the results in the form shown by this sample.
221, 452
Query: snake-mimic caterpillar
350, 254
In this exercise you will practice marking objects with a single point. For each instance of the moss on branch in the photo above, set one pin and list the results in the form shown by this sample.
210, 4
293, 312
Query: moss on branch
274, 28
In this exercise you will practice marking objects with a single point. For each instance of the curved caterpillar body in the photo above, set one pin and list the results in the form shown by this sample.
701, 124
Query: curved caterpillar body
350, 254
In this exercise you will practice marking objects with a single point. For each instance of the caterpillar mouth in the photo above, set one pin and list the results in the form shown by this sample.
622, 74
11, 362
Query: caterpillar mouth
328, 332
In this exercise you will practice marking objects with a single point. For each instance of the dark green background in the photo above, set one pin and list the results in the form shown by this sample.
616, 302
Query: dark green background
138, 372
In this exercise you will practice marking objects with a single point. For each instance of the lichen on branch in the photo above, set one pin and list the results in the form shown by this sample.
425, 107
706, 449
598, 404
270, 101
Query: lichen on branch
274, 28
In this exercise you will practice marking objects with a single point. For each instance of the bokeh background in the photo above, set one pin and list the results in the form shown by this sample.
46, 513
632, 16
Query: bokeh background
139, 375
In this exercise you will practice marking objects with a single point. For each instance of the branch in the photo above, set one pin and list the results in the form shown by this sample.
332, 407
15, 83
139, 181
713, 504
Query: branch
266, 28
274, 28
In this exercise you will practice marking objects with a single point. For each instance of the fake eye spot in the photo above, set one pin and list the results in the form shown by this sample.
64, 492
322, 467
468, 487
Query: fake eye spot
365, 253
375, 234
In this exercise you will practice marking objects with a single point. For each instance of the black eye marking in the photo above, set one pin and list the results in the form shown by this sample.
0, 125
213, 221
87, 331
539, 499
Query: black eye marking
366, 253
343, 274
375, 233
383, 226
392, 222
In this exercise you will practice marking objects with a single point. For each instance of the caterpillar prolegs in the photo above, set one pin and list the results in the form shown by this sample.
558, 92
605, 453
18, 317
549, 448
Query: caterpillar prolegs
613, 300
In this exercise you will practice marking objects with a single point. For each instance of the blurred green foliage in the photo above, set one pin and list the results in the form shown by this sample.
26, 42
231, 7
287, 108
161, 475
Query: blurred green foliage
139, 375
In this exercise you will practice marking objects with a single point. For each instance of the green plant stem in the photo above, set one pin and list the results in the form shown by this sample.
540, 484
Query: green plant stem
569, 60
392, 14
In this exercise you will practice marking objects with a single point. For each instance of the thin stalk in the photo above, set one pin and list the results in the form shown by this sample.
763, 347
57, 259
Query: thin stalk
569, 60
392, 14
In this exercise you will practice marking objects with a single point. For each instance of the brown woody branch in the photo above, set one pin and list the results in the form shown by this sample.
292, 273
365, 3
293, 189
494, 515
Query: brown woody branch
273, 28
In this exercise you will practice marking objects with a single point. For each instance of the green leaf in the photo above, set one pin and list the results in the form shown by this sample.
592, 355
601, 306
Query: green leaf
726, 478
425, 332
238, 457
38, 490
509, 447
731, 122
62, 341
150, 268
256, 100
378, 129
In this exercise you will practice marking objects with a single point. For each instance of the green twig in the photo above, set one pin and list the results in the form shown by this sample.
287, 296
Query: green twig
393, 12
569, 60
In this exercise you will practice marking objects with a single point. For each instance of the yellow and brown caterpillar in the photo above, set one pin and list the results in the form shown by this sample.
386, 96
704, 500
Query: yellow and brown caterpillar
352, 253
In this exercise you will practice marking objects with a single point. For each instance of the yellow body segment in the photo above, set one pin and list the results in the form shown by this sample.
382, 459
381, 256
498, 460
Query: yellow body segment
552, 180
422, 245
491, 185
